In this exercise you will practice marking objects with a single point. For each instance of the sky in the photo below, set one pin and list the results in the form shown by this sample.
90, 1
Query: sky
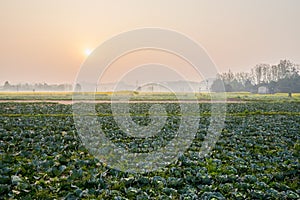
46, 41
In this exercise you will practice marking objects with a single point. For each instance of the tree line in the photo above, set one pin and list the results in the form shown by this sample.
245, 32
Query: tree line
36, 87
281, 77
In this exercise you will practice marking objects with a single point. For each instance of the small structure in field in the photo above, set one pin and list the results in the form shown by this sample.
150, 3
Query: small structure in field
263, 90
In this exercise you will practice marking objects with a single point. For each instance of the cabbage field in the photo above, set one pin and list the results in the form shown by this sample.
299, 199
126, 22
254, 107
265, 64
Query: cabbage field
256, 156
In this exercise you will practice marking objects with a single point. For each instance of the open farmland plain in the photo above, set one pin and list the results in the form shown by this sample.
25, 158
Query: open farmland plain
256, 156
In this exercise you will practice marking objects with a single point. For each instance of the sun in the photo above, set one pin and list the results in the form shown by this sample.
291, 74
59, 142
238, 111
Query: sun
87, 52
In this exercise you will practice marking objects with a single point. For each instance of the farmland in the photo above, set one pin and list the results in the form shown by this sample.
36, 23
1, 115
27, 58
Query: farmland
256, 156
67, 96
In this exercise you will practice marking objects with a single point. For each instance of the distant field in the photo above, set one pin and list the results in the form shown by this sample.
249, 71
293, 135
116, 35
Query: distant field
231, 96
246, 96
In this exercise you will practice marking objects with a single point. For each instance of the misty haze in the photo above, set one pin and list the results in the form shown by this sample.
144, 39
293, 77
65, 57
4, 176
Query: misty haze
150, 99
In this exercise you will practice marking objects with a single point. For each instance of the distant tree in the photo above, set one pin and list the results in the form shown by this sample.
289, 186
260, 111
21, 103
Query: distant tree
45, 86
289, 84
235, 86
277, 78
78, 87
242, 77
284, 68
60, 87
227, 77
257, 74
228, 88
248, 86
26, 86
217, 86
273, 85
274, 73
261, 73
6, 86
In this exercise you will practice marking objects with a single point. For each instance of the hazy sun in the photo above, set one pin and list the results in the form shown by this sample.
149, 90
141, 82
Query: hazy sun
87, 52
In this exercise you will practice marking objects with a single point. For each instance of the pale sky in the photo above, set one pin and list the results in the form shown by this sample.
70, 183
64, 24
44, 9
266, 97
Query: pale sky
45, 41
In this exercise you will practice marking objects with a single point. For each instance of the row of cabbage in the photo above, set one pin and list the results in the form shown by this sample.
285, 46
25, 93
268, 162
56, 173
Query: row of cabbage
256, 157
